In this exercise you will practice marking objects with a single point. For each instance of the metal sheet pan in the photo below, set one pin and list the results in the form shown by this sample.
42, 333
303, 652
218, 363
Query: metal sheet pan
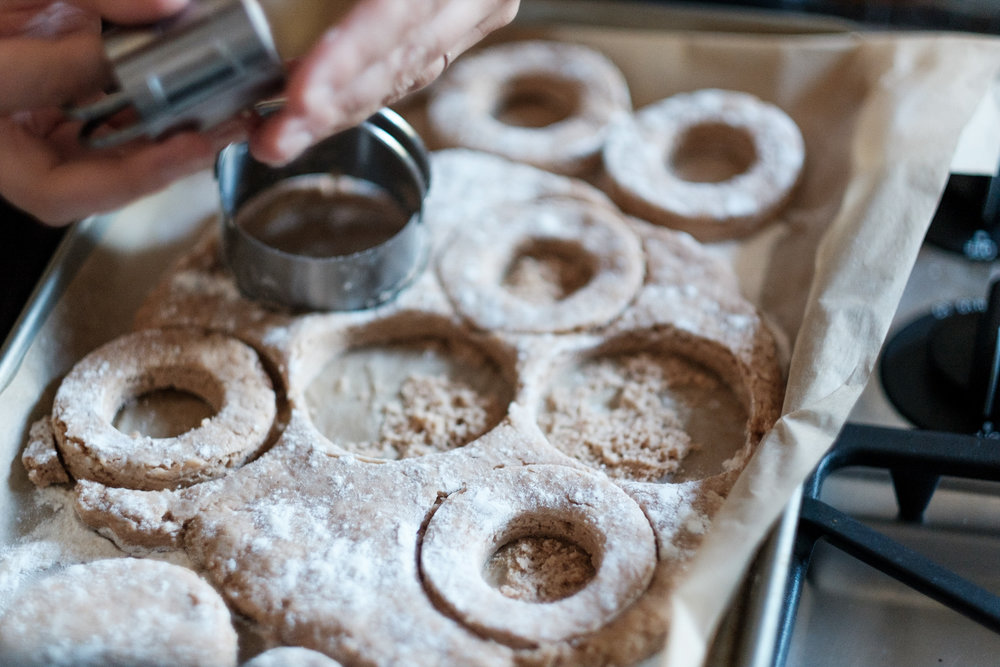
106, 264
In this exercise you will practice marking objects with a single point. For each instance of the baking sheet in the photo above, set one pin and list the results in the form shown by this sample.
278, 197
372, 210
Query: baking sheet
882, 115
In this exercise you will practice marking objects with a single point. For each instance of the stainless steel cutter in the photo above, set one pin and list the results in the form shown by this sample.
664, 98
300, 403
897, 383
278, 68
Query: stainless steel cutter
195, 70
383, 151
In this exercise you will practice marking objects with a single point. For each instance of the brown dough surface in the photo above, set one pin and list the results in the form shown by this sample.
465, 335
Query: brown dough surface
124, 611
318, 544
400, 401
291, 656
639, 416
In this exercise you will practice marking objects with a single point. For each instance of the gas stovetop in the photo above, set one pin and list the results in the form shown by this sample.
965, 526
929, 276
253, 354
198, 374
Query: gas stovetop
895, 557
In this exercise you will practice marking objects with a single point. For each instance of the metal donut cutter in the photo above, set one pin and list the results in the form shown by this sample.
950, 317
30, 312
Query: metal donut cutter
218, 58
383, 151
211, 61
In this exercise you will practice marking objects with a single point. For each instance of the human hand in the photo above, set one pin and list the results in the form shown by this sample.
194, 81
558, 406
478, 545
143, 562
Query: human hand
379, 52
50, 55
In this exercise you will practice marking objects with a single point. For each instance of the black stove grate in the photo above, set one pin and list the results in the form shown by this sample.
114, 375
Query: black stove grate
942, 373
916, 459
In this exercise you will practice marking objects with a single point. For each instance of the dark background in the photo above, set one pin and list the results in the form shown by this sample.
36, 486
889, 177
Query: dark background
25, 248
982, 16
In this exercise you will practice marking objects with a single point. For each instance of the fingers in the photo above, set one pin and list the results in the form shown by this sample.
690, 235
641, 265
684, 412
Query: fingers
51, 18
56, 54
50, 54
500, 17
43, 18
38, 73
134, 11
379, 53
466, 39
101, 181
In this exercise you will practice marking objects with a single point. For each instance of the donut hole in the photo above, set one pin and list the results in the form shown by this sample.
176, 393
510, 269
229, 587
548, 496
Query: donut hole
647, 414
322, 215
537, 101
543, 555
163, 413
549, 270
165, 402
712, 153
389, 398
539, 568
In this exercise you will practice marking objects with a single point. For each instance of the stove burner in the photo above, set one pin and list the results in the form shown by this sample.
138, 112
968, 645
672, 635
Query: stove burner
967, 220
940, 371
914, 458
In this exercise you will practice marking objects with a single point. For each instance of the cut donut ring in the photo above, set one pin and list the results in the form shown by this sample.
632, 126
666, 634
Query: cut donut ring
553, 265
714, 163
538, 501
222, 371
544, 103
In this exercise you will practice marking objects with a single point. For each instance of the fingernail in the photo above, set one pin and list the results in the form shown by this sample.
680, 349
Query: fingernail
294, 140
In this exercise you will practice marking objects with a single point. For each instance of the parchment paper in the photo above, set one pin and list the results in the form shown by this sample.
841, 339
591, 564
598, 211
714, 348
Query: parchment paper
882, 115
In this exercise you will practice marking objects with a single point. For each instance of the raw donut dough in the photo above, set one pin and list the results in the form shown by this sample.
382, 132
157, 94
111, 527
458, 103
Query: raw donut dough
554, 265
579, 90
715, 163
400, 400
291, 656
538, 501
320, 548
126, 611
224, 372
40, 457
644, 414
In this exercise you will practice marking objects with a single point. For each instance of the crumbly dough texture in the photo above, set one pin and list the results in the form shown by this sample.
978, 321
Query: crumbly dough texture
642, 416
540, 569
40, 456
348, 554
124, 611
401, 401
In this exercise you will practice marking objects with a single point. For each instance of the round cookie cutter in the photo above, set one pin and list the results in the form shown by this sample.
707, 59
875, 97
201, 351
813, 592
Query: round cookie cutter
383, 151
